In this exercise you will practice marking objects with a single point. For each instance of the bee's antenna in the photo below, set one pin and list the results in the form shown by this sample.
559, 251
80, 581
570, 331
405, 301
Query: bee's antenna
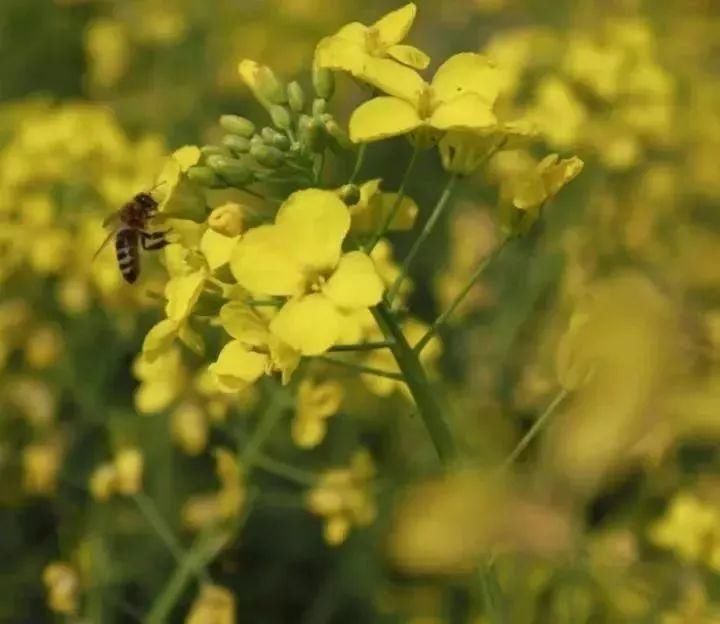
157, 185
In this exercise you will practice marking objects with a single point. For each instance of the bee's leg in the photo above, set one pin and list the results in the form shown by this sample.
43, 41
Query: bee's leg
152, 241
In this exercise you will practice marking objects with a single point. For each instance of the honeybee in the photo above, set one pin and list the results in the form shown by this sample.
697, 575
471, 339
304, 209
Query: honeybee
130, 230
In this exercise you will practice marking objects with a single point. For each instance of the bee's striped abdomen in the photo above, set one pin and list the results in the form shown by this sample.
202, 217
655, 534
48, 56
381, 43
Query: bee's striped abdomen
128, 254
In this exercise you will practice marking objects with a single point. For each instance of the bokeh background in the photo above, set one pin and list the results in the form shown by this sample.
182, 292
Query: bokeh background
612, 514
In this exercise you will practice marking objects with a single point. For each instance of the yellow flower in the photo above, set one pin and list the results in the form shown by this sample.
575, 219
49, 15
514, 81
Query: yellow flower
690, 528
316, 402
41, 464
182, 293
162, 380
129, 471
374, 206
227, 219
343, 498
263, 83
44, 346
180, 198
300, 256
546, 181
189, 428
461, 96
374, 54
103, 482
214, 605
63, 586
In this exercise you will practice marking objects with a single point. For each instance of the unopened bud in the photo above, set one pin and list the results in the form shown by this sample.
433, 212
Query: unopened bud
310, 134
237, 125
319, 106
228, 219
267, 156
236, 143
336, 132
204, 176
263, 82
350, 194
280, 117
231, 170
214, 150
323, 82
296, 97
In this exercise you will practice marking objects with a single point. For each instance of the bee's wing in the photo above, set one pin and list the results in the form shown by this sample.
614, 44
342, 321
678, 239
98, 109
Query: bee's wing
112, 219
108, 238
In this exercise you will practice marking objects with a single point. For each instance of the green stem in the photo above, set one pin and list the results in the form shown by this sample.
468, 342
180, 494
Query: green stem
534, 430
361, 346
361, 368
204, 549
269, 419
426, 231
359, 160
285, 471
492, 596
426, 398
442, 319
390, 216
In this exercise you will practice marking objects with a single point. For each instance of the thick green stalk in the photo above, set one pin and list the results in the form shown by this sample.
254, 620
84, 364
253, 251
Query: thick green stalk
390, 216
426, 398
426, 231
360, 368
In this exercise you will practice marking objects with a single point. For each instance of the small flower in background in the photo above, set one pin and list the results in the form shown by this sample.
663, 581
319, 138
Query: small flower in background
213, 605
343, 498
316, 402
373, 207
41, 467
63, 588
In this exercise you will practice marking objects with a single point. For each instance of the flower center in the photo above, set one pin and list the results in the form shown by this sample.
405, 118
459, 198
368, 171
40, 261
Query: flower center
372, 42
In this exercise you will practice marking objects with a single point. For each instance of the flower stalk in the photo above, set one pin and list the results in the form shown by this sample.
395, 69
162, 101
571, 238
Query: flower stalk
429, 407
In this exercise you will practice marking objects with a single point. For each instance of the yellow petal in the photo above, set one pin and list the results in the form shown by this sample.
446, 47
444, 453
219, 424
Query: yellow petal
217, 248
187, 156
244, 324
154, 396
557, 173
467, 73
310, 325
392, 78
374, 207
406, 214
340, 54
315, 223
355, 283
530, 192
182, 294
159, 338
263, 264
238, 362
409, 55
382, 117
467, 112
394, 27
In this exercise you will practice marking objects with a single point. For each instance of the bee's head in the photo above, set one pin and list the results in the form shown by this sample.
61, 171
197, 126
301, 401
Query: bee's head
147, 202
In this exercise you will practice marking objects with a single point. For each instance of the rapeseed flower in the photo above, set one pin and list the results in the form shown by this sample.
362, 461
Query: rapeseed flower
300, 256
374, 54
213, 605
62, 584
461, 96
316, 402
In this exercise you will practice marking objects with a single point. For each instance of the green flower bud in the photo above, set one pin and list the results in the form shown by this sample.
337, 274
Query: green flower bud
231, 170
268, 134
310, 134
204, 176
214, 150
350, 194
281, 142
336, 132
234, 124
296, 97
263, 82
323, 82
319, 106
256, 140
267, 156
280, 117
238, 144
